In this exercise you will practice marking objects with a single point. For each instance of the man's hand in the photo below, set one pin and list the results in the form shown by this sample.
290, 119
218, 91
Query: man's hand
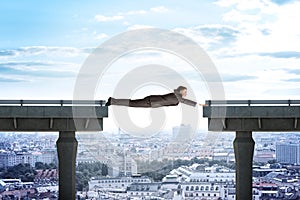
200, 104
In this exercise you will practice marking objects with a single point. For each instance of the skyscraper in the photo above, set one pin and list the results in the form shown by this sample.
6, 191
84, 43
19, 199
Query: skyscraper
182, 132
288, 153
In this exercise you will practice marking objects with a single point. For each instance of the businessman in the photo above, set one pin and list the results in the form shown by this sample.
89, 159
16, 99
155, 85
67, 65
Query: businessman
154, 101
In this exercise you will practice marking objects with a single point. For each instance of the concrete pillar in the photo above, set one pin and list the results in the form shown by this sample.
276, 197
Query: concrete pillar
67, 150
243, 150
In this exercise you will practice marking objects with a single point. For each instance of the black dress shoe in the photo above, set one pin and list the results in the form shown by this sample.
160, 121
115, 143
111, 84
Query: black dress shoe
108, 103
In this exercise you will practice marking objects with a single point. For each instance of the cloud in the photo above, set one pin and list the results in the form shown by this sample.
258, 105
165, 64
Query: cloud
30, 69
159, 9
138, 26
293, 80
101, 36
264, 25
235, 15
265, 31
282, 54
236, 77
225, 77
126, 23
6, 53
122, 15
133, 12
281, 2
244, 5
219, 32
230, 77
119, 16
43, 50
284, 92
67, 51
11, 80
292, 71
102, 18
211, 36
36, 65
29, 64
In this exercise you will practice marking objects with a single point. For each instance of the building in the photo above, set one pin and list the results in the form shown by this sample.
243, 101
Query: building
263, 171
263, 155
5, 145
143, 190
122, 165
288, 153
199, 182
205, 152
194, 190
112, 183
49, 155
220, 156
23, 158
181, 133
7, 158
265, 191
12, 158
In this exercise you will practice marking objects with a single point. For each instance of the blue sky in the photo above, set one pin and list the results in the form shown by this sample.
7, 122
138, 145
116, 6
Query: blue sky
254, 44
70, 23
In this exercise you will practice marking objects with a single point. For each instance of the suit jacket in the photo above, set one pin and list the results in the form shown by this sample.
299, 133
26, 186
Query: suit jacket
170, 99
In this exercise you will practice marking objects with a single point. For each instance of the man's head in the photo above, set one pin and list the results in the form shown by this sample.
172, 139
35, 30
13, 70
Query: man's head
182, 90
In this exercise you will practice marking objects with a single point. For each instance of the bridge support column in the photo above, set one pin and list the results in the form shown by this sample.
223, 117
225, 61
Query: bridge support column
67, 150
243, 150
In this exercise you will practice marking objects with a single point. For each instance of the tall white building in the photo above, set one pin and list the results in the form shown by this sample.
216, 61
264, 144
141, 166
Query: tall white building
122, 166
288, 153
23, 157
181, 133
7, 158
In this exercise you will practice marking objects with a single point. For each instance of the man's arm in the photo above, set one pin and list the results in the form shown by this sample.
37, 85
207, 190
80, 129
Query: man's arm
185, 101
188, 102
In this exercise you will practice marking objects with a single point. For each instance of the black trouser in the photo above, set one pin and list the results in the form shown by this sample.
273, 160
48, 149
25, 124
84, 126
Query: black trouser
145, 102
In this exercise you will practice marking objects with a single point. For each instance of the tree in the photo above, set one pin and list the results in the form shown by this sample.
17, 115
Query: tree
39, 165
52, 165
272, 161
84, 172
23, 171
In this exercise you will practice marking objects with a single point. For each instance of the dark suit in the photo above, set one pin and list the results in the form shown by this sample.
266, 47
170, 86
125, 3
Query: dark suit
154, 101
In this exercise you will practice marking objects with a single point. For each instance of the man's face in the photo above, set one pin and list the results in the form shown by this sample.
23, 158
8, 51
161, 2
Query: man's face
183, 92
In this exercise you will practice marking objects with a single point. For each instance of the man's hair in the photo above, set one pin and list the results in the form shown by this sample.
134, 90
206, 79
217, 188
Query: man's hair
181, 88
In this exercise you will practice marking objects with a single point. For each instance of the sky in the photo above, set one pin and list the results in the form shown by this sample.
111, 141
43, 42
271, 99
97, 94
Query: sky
253, 44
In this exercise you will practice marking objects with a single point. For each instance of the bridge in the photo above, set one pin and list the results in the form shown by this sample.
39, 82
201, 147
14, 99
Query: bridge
244, 117
63, 116
68, 117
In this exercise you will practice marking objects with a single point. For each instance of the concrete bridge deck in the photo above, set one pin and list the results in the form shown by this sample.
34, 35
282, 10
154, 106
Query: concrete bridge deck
67, 117
63, 116
244, 117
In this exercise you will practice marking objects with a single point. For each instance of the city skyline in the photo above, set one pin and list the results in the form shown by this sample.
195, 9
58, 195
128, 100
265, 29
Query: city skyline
189, 174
